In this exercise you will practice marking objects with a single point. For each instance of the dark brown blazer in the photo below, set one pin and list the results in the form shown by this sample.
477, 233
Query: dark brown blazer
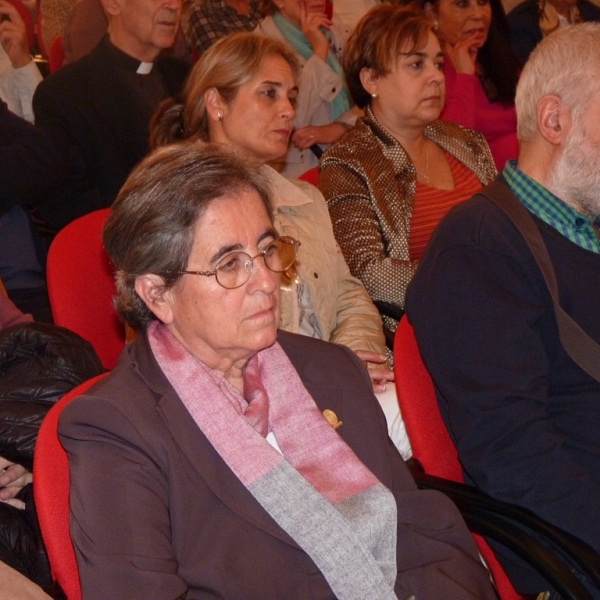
157, 514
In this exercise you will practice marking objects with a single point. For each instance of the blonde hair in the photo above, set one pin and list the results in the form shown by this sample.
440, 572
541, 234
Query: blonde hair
226, 66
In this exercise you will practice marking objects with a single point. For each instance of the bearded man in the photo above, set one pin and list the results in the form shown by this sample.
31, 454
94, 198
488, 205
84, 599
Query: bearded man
523, 414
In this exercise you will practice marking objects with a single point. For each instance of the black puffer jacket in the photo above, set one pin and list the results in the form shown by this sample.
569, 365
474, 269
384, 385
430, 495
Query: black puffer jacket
39, 363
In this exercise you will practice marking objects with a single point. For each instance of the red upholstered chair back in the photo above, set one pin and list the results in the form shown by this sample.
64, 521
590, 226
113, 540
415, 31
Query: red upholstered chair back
311, 176
56, 54
429, 438
81, 286
427, 432
51, 492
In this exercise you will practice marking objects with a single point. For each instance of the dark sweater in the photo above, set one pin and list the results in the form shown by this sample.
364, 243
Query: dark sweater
525, 418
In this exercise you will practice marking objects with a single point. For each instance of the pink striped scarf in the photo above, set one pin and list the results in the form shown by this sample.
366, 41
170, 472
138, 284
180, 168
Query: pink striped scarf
317, 490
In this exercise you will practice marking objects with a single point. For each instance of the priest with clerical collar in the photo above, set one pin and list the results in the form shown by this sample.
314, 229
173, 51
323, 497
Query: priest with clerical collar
98, 109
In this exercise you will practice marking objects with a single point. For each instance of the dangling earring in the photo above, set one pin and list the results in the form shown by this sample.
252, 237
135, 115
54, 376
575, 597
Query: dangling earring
374, 95
219, 115
436, 25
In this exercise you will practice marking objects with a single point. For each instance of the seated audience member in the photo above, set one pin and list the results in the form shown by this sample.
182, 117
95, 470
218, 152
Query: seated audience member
211, 20
481, 71
212, 426
30, 168
98, 110
19, 75
523, 415
39, 363
532, 20
323, 105
389, 181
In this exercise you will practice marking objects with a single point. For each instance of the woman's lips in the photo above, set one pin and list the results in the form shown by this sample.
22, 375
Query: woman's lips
284, 133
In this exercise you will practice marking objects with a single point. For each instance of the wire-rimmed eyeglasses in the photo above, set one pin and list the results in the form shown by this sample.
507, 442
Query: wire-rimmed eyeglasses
234, 269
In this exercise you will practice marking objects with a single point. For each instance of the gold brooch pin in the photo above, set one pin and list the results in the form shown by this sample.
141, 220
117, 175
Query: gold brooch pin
332, 419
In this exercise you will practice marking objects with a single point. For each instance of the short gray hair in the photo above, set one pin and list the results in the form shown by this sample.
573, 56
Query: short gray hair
565, 64
151, 224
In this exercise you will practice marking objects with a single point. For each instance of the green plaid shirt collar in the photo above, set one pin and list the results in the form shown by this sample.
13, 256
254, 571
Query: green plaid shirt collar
550, 209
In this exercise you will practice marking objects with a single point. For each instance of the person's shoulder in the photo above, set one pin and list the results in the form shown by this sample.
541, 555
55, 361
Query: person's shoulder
317, 360
451, 130
308, 189
71, 78
174, 66
589, 11
353, 145
524, 10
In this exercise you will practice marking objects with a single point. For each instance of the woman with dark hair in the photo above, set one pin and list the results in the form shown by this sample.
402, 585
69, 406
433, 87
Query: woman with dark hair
391, 179
211, 462
481, 70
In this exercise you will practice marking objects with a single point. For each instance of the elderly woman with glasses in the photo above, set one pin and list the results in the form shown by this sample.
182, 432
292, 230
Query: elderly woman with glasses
222, 458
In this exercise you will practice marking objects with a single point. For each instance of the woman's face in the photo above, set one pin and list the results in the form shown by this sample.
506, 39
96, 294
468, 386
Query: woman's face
413, 92
461, 19
290, 9
260, 119
219, 326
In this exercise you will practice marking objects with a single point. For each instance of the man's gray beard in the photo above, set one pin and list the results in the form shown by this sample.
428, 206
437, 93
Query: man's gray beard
575, 177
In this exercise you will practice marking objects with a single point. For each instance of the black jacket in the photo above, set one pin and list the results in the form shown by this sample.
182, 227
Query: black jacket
39, 363
97, 126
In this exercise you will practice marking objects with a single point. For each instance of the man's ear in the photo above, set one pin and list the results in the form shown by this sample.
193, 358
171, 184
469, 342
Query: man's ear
111, 7
151, 289
216, 108
369, 80
553, 119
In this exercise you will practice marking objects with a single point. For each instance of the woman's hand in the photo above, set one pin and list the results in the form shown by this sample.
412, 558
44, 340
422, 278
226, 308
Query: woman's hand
305, 137
310, 24
13, 36
13, 478
463, 54
379, 376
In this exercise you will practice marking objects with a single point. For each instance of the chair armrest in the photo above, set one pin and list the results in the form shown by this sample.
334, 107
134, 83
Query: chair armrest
393, 312
542, 545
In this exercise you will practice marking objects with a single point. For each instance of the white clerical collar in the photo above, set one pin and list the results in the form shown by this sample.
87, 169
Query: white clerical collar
144, 68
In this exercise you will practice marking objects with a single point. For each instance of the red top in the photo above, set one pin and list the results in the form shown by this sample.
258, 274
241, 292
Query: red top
431, 204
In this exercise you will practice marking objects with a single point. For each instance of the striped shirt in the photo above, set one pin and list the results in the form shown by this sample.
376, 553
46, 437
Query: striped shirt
576, 227
431, 204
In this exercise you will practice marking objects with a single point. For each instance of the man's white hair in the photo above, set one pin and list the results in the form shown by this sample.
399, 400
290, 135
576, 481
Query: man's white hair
565, 64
